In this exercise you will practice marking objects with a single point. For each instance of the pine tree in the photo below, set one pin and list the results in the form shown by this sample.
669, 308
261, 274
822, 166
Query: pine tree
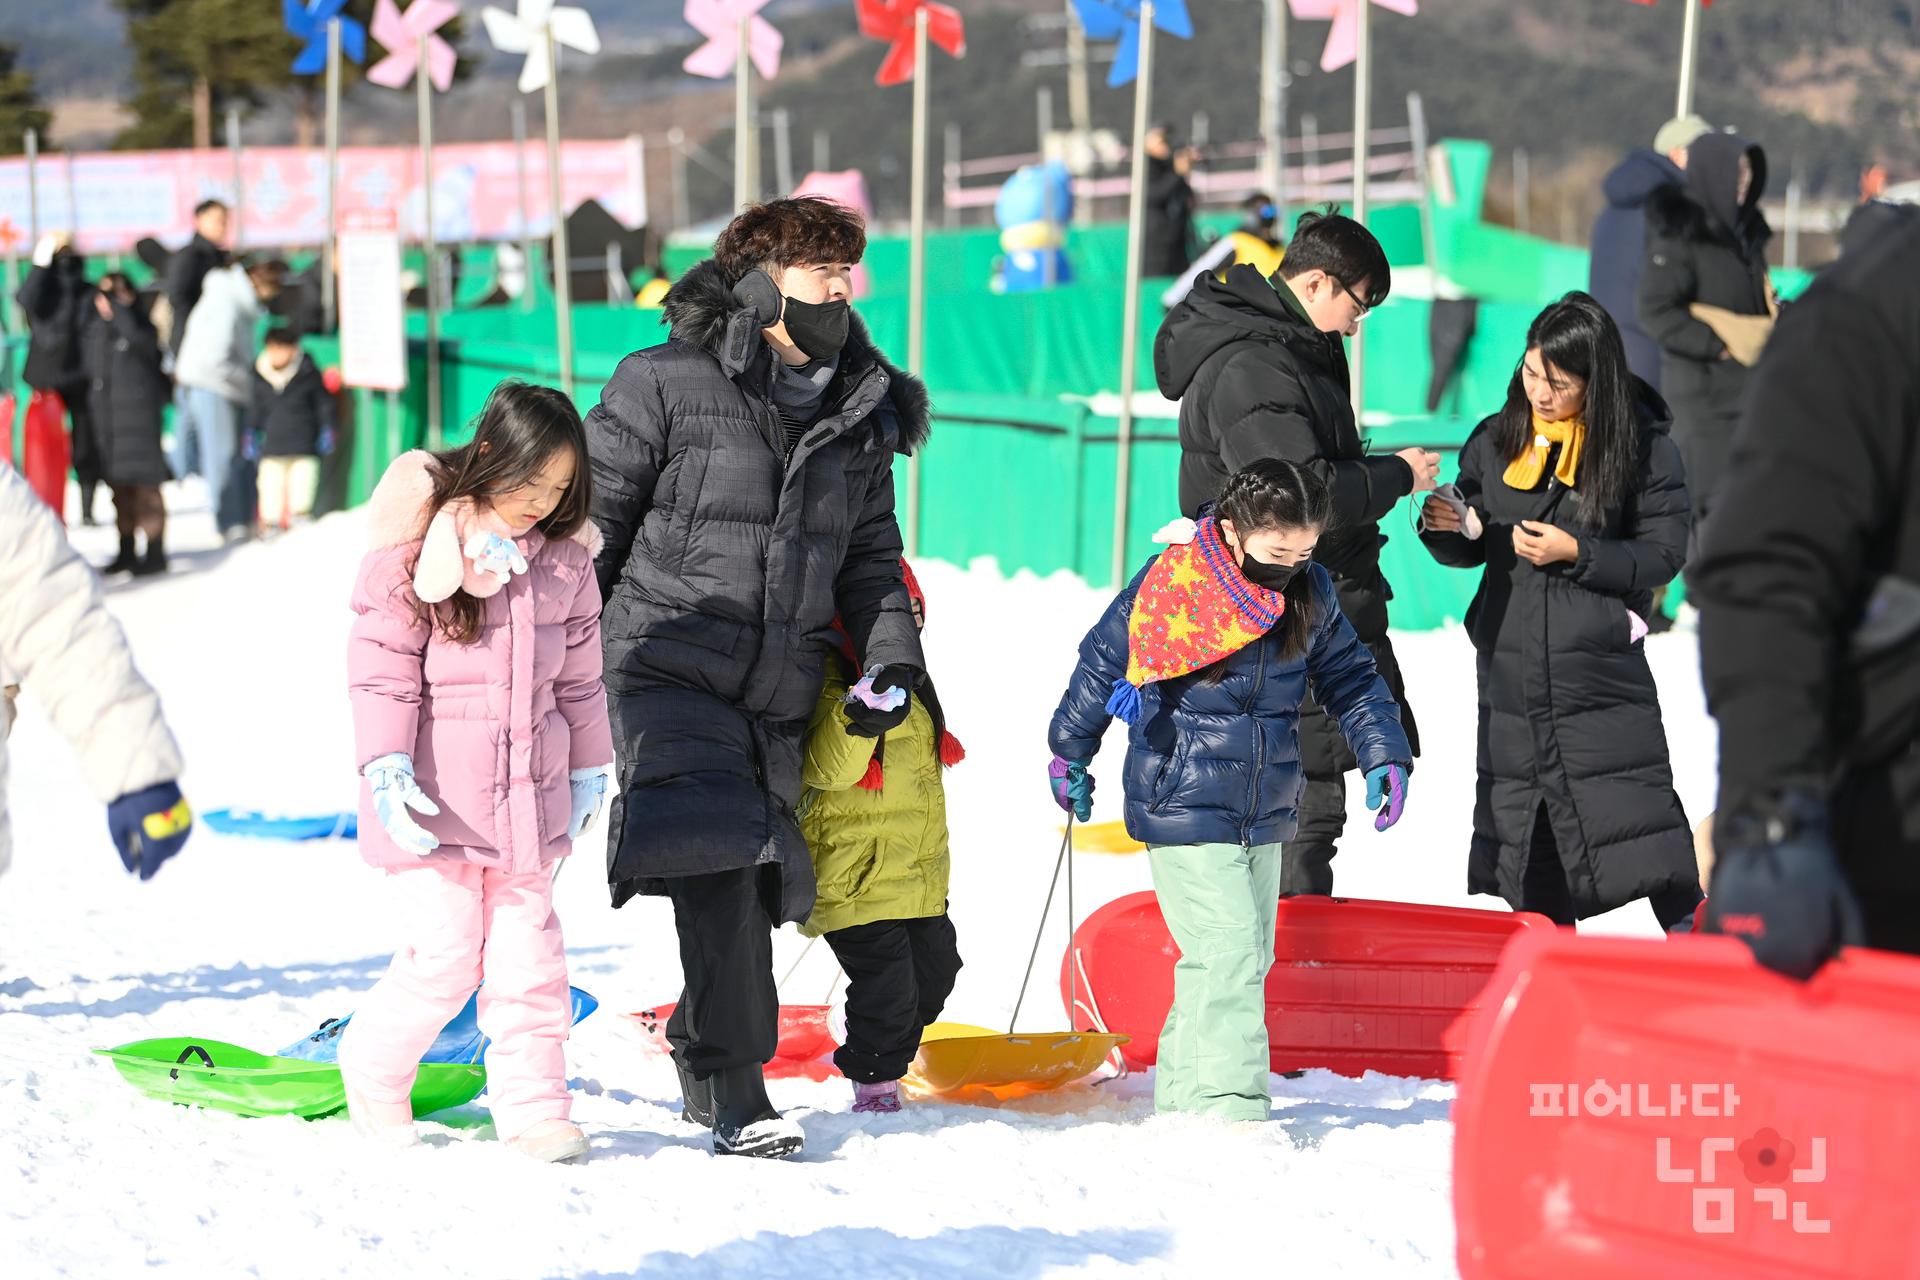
195, 58
20, 108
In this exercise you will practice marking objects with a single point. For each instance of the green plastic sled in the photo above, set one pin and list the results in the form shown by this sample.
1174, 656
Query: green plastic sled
226, 1077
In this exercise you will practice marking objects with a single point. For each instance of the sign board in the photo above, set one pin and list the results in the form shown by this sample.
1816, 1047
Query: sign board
373, 336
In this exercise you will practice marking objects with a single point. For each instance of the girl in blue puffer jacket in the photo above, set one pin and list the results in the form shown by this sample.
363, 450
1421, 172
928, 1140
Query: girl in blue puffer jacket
1207, 656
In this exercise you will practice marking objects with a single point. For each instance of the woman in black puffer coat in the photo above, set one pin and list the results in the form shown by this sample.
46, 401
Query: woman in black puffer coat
1706, 246
125, 391
1578, 512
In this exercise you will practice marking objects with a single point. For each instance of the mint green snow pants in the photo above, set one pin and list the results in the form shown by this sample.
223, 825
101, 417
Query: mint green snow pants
1220, 901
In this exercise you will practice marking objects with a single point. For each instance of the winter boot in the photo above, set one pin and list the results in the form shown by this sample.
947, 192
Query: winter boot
553, 1141
696, 1098
126, 561
390, 1126
154, 561
744, 1121
881, 1097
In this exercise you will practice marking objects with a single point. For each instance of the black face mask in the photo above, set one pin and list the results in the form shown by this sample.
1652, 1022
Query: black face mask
819, 329
1274, 577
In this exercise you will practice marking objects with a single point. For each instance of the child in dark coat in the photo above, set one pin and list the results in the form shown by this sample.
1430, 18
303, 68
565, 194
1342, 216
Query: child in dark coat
292, 427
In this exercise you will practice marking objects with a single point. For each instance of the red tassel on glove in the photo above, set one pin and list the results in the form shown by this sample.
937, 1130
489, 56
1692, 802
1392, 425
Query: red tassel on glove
872, 778
951, 752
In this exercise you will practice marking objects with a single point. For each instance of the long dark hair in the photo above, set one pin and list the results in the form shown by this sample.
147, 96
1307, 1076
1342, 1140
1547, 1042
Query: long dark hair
1576, 335
1274, 493
518, 432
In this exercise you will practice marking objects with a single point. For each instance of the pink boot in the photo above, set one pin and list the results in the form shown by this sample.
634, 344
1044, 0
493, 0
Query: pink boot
882, 1097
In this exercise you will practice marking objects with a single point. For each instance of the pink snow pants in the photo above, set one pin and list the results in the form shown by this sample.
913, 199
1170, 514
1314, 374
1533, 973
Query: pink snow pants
468, 923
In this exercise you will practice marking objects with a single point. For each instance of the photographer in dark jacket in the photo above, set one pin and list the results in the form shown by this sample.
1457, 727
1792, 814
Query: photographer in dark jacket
743, 483
1260, 372
1809, 593
1168, 240
57, 300
1705, 298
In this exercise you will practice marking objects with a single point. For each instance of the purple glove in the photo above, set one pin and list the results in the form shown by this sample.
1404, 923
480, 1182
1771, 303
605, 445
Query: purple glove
1387, 784
1072, 786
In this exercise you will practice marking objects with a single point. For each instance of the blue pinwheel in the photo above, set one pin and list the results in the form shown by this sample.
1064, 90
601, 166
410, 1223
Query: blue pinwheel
307, 19
1110, 19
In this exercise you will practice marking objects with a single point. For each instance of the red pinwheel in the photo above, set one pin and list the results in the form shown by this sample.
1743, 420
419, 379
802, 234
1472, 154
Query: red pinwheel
893, 21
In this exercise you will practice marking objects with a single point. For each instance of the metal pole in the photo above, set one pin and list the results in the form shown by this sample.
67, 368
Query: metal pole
519, 114
423, 89
1049, 261
682, 200
1362, 124
1079, 96
783, 150
1310, 149
239, 182
1273, 109
1202, 130
917, 261
329, 300
746, 149
1130, 311
73, 198
1792, 251
1689, 54
1043, 114
1522, 193
821, 150
950, 217
562, 265
33, 185
1417, 126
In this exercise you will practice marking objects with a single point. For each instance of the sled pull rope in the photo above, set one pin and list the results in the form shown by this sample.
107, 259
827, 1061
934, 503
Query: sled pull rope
1066, 844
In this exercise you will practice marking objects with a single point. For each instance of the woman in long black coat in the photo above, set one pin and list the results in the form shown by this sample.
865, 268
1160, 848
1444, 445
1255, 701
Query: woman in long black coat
126, 389
1577, 510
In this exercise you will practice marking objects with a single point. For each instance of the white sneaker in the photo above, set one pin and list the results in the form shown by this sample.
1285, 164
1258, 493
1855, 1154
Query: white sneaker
552, 1141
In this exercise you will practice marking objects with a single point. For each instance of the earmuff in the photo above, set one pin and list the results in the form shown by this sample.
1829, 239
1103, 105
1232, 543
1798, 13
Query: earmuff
757, 293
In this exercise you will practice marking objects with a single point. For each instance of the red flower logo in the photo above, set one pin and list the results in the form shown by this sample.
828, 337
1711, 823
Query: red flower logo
1768, 1157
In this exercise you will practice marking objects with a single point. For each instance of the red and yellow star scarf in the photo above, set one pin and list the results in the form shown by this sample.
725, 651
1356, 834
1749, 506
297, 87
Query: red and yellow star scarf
1193, 608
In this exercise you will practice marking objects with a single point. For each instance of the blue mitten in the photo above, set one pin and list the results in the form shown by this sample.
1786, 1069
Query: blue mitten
394, 792
589, 795
1387, 785
149, 826
1072, 786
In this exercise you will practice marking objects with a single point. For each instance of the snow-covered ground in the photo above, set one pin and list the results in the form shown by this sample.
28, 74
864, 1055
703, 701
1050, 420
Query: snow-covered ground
255, 943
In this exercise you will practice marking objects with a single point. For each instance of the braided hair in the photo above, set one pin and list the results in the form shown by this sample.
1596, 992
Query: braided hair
1274, 493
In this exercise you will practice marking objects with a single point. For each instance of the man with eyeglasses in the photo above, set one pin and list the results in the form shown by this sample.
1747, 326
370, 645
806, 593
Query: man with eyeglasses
1260, 372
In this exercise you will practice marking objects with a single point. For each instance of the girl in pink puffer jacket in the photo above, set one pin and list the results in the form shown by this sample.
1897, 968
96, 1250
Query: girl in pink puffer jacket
474, 673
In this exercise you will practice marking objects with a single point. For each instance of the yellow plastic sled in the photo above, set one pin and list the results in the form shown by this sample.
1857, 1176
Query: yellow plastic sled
1106, 837
957, 1058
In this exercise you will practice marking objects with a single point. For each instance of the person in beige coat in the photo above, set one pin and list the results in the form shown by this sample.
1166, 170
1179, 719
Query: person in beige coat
60, 646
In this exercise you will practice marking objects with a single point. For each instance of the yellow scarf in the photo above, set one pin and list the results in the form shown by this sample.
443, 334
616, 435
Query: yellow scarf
1526, 471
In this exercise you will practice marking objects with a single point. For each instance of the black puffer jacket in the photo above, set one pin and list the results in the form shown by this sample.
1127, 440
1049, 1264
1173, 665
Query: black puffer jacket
1220, 763
57, 301
126, 391
291, 418
1704, 246
1619, 254
723, 567
1256, 380
186, 276
1809, 629
1569, 714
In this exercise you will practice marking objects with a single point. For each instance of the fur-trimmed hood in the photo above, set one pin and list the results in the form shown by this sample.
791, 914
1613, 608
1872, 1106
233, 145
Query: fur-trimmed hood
702, 312
1702, 206
399, 512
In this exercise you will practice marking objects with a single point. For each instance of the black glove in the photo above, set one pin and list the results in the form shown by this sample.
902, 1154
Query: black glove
865, 721
1778, 887
149, 826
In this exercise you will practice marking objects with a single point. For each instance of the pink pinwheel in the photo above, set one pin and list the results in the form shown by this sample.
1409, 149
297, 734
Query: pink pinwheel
719, 21
1346, 20
893, 21
400, 35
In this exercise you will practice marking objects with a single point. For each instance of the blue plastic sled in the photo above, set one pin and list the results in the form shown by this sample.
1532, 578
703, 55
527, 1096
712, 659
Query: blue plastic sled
267, 826
459, 1041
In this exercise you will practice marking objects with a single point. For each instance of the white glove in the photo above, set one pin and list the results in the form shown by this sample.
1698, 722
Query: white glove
394, 792
496, 555
589, 788
46, 246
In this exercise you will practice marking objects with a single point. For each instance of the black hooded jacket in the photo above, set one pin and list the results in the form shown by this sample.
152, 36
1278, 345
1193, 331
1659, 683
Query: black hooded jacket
1256, 380
1620, 251
1704, 245
723, 566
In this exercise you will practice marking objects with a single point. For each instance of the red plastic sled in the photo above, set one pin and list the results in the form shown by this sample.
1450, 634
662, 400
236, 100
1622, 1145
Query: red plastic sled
1730, 1122
45, 452
1356, 985
804, 1046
